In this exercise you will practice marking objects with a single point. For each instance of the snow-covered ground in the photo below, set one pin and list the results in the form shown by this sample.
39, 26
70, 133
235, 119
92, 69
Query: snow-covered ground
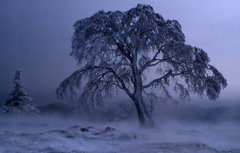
54, 134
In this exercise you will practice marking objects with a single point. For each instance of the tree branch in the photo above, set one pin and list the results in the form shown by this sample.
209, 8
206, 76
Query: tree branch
127, 54
115, 74
149, 63
158, 80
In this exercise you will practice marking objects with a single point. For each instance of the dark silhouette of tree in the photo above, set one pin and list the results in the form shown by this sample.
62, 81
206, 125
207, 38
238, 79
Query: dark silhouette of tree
115, 50
19, 97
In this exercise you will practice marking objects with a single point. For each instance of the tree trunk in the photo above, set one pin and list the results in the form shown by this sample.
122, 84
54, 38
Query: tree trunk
144, 117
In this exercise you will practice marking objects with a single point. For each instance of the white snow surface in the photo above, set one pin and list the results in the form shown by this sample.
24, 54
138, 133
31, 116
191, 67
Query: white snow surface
52, 134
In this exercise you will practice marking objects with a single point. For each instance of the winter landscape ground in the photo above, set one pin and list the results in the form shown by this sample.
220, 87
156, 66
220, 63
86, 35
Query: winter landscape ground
185, 130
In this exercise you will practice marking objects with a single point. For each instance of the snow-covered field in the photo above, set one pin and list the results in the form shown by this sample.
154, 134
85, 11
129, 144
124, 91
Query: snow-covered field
52, 134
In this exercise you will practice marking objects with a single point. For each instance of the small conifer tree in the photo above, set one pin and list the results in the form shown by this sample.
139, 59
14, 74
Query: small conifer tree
19, 97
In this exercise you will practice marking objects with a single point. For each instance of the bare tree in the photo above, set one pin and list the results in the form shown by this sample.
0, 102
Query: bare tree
116, 49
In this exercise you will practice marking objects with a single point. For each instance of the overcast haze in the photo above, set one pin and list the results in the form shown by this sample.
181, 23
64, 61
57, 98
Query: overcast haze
35, 37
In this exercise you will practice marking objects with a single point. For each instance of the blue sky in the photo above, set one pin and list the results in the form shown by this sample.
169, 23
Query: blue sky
35, 37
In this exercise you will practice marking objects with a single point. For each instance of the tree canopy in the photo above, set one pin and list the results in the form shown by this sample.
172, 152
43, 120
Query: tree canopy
116, 49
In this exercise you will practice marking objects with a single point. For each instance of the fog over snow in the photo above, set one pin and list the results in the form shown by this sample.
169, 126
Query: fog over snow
177, 130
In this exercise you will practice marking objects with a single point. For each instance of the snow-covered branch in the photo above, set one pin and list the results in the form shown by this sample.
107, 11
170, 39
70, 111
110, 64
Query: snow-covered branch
75, 80
158, 80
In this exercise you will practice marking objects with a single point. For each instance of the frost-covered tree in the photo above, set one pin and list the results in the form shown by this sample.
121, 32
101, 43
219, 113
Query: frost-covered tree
19, 97
116, 50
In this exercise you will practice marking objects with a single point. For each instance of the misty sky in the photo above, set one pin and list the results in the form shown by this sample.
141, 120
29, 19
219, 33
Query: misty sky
36, 34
